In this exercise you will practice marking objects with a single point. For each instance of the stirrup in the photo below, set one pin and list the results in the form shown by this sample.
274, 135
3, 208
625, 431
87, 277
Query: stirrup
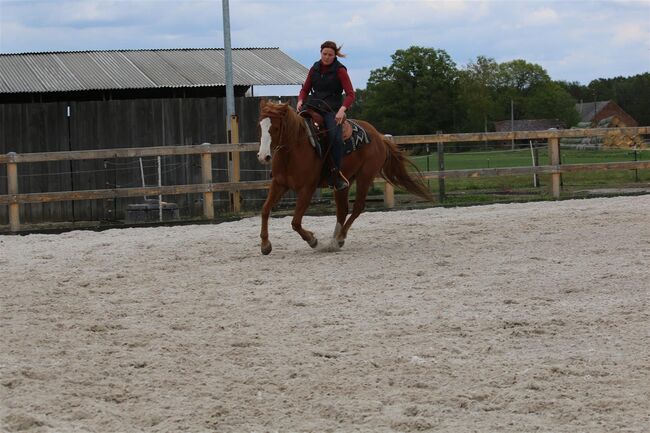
340, 181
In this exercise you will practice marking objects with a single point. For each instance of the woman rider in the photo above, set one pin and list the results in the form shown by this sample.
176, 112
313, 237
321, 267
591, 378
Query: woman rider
323, 88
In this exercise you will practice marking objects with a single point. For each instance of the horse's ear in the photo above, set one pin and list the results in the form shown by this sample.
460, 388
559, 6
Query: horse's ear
263, 102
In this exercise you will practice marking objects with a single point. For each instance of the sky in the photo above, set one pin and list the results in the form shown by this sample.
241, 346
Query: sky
573, 40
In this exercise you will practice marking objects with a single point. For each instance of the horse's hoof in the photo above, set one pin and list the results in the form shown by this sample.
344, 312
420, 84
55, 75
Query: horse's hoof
266, 249
313, 243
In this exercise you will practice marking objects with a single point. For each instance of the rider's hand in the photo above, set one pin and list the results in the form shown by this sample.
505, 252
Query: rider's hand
299, 106
340, 115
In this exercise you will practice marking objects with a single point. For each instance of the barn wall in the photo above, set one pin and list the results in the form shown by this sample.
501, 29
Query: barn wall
46, 127
612, 109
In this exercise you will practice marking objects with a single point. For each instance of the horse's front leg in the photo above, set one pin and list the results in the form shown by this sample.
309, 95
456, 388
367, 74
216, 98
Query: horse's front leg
302, 203
275, 193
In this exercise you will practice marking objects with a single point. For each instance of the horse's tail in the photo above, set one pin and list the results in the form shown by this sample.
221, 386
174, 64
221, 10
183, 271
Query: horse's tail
395, 172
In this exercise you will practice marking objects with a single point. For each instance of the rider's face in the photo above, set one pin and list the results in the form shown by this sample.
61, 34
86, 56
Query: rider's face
327, 56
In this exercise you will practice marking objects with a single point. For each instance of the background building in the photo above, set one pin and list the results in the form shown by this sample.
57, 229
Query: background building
89, 100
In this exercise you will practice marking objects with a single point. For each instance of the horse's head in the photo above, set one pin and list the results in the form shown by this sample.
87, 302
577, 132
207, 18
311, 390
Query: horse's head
272, 118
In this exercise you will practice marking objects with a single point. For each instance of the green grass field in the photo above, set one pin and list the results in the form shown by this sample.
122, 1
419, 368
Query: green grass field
520, 188
488, 188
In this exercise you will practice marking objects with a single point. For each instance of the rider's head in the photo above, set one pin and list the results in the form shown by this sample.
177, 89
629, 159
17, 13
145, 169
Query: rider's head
329, 51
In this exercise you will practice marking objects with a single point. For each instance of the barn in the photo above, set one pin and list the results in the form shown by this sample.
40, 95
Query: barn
61, 101
592, 113
526, 125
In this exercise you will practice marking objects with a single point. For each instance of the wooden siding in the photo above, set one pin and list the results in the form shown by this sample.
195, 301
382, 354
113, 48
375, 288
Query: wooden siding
93, 125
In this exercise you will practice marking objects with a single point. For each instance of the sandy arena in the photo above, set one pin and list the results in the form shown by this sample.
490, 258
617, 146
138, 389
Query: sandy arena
505, 318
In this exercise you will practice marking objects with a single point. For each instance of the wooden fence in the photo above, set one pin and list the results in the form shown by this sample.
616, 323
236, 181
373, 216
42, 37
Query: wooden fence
83, 125
14, 198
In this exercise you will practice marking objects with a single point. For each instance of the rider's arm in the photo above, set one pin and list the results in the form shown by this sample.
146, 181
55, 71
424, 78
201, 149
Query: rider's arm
304, 91
347, 87
344, 78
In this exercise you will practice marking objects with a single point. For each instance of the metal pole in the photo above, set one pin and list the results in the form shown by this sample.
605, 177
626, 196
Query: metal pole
142, 177
206, 178
532, 155
230, 91
160, 210
512, 121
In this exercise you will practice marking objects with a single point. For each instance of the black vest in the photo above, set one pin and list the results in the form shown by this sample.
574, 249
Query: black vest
326, 89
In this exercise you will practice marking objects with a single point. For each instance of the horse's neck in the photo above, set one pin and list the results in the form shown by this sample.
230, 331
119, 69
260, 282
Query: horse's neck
298, 148
295, 140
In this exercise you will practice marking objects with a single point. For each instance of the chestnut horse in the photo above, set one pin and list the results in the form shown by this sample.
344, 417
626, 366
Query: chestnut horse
295, 165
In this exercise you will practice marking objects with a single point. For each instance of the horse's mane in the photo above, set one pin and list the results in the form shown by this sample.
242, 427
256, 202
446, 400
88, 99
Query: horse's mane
271, 109
292, 123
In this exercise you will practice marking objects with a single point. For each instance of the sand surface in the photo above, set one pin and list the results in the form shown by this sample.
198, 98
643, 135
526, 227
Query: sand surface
504, 318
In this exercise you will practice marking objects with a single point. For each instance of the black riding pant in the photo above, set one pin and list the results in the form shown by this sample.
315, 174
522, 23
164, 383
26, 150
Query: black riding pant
335, 138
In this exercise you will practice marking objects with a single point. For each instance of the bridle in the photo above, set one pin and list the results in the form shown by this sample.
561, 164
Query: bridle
275, 145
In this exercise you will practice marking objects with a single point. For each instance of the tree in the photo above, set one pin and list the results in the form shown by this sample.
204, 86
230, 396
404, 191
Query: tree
578, 91
551, 101
487, 90
633, 94
515, 82
422, 92
477, 91
416, 94
521, 76
630, 93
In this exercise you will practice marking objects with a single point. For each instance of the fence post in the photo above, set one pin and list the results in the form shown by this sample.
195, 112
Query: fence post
206, 178
536, 164
554, 159
389, 190
234, 175
441, 169
389, 195
12, 189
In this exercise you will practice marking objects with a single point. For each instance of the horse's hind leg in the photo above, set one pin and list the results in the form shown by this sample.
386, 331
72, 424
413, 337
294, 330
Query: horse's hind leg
302, 203
363, 186
275, 193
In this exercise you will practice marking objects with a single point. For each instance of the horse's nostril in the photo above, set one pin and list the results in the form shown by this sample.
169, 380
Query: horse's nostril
268, 157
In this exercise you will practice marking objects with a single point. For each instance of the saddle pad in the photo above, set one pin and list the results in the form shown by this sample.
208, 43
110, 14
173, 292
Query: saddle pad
358, 138
354, 136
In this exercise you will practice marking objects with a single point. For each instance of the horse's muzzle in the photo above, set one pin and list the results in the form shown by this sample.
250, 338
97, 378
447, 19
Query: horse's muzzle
264, 160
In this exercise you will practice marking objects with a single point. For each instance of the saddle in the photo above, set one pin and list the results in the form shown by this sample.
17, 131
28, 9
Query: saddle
354, 136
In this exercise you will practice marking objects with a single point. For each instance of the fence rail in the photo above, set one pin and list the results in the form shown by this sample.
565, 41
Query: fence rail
13, 199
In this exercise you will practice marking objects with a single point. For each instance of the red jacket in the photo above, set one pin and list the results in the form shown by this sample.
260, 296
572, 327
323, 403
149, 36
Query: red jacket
343, 76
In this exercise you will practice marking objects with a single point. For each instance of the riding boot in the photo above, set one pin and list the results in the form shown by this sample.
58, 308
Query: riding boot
335, 137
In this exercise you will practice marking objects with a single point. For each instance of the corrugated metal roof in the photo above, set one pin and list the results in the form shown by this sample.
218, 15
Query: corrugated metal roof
588, 110
527, 125
142, 69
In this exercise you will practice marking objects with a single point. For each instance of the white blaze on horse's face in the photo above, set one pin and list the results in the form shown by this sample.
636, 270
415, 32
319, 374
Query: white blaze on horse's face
264, 155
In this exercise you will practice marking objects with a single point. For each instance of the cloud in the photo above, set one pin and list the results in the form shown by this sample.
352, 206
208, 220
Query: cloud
547, 32
628, 33
541, 17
